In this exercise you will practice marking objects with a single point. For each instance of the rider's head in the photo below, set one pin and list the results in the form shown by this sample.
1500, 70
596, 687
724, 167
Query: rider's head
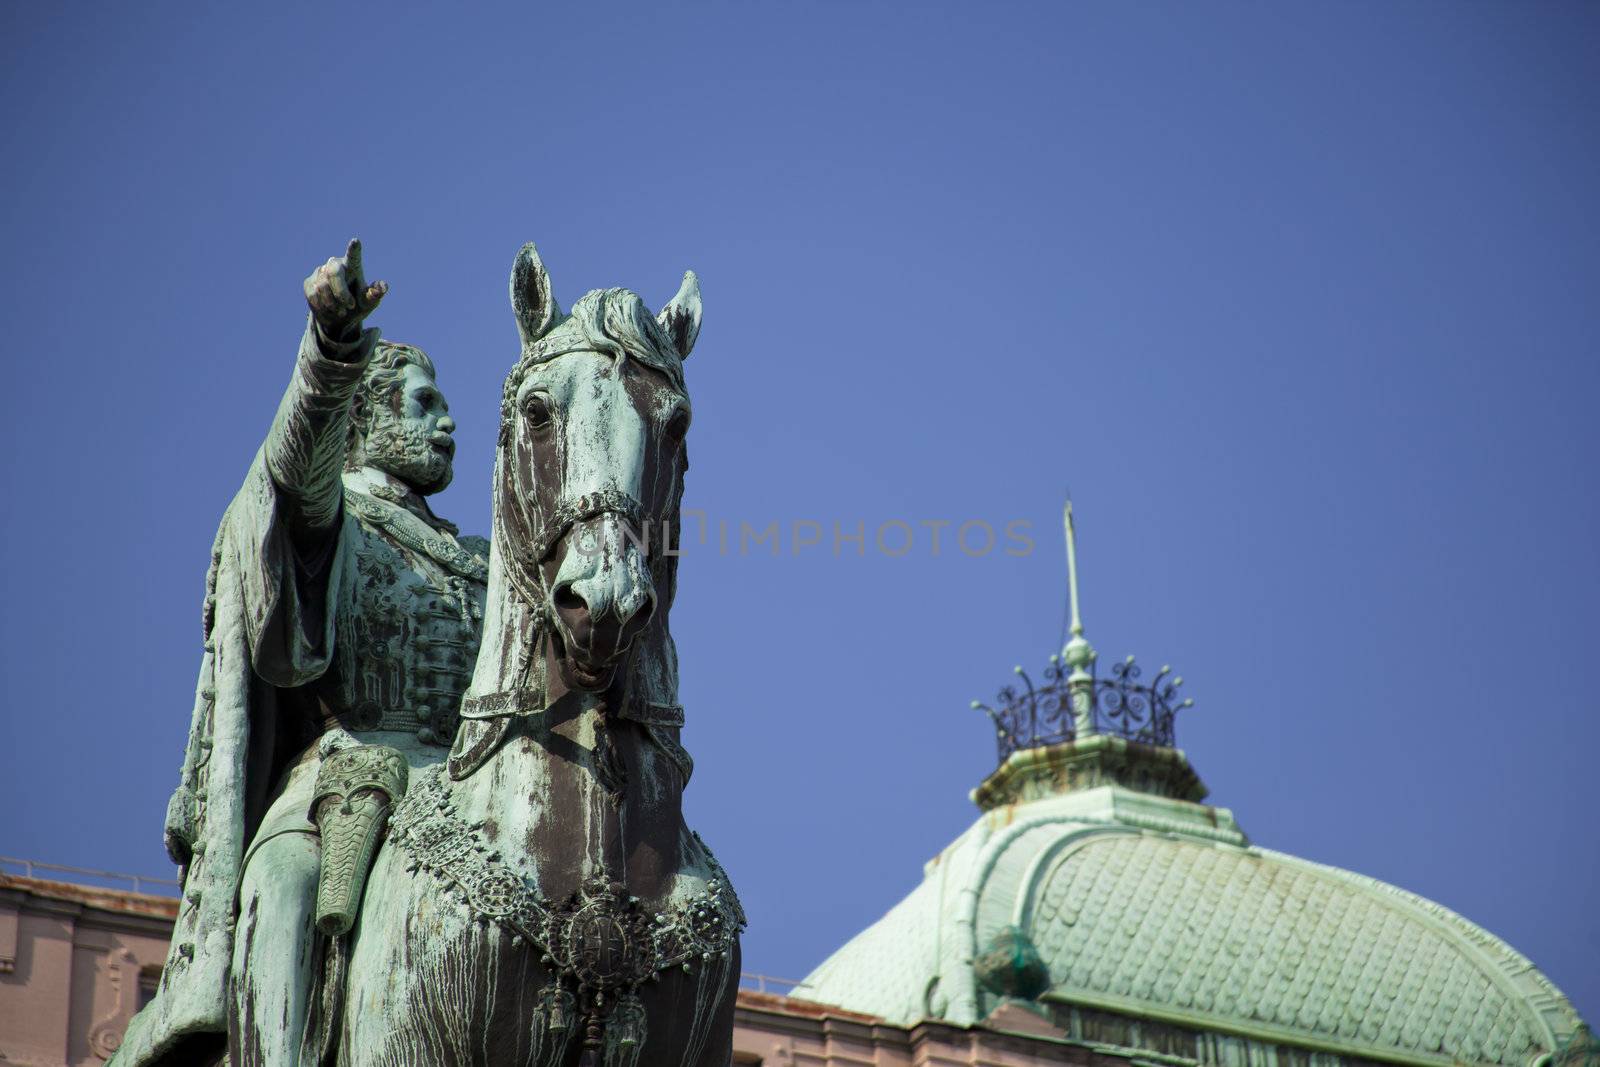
400, 422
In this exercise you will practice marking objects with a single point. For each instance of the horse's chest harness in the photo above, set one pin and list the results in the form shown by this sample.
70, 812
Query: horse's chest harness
602, 943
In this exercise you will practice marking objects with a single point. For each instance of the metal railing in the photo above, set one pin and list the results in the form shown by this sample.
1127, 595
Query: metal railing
760, 983
169, 886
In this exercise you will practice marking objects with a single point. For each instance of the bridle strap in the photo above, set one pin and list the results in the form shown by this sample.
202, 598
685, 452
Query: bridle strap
588, 506
504, 703
524, 568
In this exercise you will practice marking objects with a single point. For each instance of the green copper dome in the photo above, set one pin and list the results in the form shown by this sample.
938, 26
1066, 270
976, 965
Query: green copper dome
1138, 920
1156, 911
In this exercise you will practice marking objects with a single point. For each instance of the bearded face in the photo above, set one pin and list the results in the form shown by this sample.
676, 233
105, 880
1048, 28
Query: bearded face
409, 436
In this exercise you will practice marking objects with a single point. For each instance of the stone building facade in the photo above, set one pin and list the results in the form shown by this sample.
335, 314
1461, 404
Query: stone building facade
75, 963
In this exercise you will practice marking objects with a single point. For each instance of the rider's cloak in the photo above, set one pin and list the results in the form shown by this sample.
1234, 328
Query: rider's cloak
270, 620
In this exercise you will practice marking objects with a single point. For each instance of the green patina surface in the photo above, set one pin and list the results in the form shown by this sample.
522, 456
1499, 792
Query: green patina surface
545, 895
1266, 944
1158, 908
1093, 760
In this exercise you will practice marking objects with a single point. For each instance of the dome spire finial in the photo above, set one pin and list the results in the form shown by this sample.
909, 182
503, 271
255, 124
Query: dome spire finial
1094, 715
1072, 566
1078, 653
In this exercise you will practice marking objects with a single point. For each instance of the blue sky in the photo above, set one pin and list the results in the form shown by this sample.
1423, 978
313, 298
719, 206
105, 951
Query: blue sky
1298, 300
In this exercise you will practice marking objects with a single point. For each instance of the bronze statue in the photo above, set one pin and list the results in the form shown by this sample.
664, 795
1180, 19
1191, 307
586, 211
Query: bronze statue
538, 899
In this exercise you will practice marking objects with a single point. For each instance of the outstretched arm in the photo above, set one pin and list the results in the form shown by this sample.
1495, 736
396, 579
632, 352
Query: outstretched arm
305, 450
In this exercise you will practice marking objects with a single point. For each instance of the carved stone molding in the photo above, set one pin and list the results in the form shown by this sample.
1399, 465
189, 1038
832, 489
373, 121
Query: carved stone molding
122, 974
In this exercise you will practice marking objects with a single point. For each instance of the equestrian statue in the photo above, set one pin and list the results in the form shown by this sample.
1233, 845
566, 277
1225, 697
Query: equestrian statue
431, 806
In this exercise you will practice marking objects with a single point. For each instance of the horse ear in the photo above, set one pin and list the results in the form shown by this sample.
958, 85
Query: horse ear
535, 308
681, 318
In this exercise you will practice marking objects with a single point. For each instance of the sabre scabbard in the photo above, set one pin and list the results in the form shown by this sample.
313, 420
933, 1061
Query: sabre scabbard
355, 790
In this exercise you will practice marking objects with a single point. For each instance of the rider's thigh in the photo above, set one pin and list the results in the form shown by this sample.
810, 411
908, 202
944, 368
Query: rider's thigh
282, 874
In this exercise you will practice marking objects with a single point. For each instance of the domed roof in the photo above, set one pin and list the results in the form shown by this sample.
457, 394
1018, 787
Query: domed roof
1097, 885
1157, 908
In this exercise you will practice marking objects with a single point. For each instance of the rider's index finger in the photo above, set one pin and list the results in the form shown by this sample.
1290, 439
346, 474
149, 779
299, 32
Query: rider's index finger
352, 255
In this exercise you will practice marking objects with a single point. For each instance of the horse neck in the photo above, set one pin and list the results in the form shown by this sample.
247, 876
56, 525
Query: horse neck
542, 790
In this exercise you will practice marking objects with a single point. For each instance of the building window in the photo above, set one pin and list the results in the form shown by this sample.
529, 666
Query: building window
149, 982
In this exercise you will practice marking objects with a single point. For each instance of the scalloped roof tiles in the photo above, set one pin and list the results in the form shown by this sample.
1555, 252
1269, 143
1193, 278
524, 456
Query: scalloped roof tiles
1271, 943
885, 969
1138, 913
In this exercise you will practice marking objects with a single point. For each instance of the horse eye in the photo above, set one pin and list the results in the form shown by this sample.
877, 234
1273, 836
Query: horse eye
679, 426
536, 411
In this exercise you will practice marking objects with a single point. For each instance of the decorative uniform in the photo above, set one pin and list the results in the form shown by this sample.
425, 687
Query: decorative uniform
405, 656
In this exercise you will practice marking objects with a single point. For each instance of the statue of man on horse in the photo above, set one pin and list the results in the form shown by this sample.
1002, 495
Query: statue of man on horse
354, 894
342, 621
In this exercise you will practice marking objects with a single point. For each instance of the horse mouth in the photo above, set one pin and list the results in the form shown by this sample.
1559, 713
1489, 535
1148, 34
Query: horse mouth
581, 672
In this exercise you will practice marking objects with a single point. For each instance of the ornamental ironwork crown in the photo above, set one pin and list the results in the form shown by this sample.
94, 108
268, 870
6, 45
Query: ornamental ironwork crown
1063, 709
1073, 703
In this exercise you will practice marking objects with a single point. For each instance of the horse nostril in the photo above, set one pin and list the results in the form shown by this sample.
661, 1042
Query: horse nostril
567, 599
601, 623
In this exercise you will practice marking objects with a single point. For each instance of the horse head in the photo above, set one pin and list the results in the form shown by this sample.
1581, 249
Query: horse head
589, 471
